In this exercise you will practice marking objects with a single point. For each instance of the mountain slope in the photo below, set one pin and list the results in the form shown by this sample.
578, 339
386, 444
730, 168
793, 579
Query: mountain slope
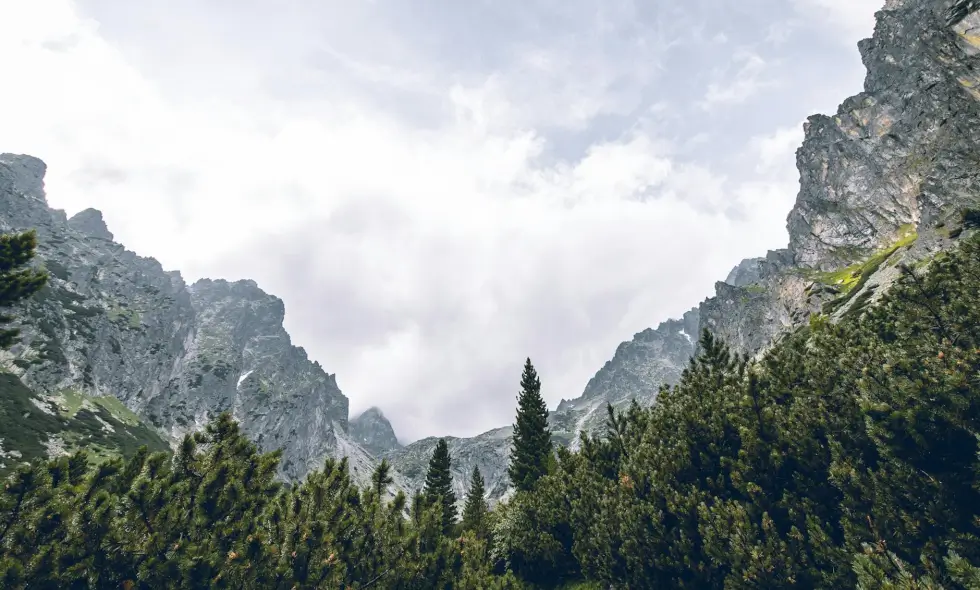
373, 431
36, 425
111, 323
882, 182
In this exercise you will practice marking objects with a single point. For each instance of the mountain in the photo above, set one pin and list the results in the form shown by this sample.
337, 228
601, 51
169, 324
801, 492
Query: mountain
372, 431
882, 182
111, 325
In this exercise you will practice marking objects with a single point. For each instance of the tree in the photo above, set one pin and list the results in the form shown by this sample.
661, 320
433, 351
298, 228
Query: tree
439, 484
381, 478
17, 283
475, 510
531, 452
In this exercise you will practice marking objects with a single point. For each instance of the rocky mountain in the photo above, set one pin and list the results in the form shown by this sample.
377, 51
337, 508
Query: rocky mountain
882, 182
113, 325
372, 431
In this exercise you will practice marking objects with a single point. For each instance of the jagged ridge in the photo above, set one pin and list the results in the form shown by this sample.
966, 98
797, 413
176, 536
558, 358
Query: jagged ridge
882, 182
111, 323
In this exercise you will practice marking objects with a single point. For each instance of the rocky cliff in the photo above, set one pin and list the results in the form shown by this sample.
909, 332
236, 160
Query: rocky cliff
883, 181
114, 324
372, 431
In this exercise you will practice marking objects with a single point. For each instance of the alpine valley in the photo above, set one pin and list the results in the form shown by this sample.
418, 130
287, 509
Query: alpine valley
116, 351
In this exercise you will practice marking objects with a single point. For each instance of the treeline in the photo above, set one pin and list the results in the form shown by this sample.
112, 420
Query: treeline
846, 457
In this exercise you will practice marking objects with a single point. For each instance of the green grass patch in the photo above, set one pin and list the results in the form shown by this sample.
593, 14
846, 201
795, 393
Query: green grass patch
853, 277
103, 426
118, 410
125, 317
70, 401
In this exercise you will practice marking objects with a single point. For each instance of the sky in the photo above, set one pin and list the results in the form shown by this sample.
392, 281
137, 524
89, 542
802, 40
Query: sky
436, 189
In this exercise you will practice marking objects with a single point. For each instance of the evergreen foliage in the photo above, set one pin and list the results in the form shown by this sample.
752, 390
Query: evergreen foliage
475, 510
848, 456
17, 280
531, 453
439, 485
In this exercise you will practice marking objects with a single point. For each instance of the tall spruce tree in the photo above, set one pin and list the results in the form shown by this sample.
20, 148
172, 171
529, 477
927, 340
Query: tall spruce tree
531, 452
439, 484
381, 478
17, 282
475, 510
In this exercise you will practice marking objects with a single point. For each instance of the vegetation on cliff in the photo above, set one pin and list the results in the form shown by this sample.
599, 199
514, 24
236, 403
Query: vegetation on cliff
847, 456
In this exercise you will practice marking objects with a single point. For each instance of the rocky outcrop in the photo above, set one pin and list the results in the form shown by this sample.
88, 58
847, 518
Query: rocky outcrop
90, 223
488, 452
111, 323
372, 431
883, 181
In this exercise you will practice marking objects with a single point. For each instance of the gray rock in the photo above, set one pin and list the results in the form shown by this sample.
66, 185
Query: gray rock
372, 431
114, 323
90, 222
746, 273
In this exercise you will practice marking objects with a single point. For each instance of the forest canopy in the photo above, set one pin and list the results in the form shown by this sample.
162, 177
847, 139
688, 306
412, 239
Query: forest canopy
846, 456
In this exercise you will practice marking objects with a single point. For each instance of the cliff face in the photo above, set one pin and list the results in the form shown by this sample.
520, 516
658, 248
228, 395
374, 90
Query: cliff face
372, 431
881, 182
111, 323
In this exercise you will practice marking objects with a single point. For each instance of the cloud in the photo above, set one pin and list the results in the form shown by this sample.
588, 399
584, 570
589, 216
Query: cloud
747, 81
435, 193
850, 20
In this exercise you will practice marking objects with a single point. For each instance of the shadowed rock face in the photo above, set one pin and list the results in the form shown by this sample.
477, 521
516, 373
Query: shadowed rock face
881, 182
114, 323
90, 223
372, 431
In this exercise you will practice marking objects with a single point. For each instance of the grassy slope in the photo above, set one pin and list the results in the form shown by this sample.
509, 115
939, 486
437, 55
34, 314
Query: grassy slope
30, 424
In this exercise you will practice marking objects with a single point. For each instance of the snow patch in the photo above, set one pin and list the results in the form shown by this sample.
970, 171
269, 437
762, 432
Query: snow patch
686, 335
242, 378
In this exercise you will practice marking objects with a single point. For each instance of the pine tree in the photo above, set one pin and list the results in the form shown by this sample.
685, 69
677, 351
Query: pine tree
531, 453
381, 478
475, 510
17, 283
439, 484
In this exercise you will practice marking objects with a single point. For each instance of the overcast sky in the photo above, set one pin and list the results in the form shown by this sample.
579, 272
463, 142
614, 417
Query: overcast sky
436, 188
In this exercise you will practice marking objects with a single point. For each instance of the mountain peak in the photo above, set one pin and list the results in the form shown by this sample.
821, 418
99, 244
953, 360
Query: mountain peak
373, 431
25, 174
90, 222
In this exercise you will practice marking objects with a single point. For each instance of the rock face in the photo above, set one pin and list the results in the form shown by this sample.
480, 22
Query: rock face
883, 181
372, 431
111, 323
488, 452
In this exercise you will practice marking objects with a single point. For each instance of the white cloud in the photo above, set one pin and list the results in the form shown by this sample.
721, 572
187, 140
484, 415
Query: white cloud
851, 20
421, 259
747, 81
777, 150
